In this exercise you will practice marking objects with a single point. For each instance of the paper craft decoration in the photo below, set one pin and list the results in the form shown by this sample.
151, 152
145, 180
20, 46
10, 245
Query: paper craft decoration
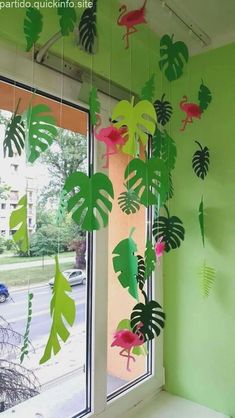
201, 161
171, 187
150, 259
67, 17
164, 110
129, 201
62, 208
87, 29
141, 273
112, 138
18, 220
125, 262
204, 97
140, 350
140, 121
207, 275
94, 105
147, 92
148, 179
170, 229
90, 200
25, 348
148, 319
164, 147
160, 248
192, 110
130, 20
201, 221
173, 57
62, 309
127, 340
40, 130
33, 24
15, 135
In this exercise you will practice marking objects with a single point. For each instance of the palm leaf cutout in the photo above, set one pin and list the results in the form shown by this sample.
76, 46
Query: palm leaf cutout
25, 348
88, 29
148, 179
173, 55
150, 259
67, 17
140, 121
90, 198
40, 130
201, 221
207, 276
33, 24
201, 161
141, 274
62, 309
170, 229
204, 97
15, 135
129, 201
94, 105
18, 220
151, 316
139, 350
147, 92
171, 187
164, 110
164, 147
62, 208
125, 262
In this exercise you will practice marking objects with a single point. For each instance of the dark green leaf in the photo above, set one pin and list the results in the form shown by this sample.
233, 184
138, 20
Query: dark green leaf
67, 17
164, 110
204, 97
14, 137
129, 202
87, 28
164, 147
201, 221
147, 92
201, 161
141, 274
33, 24
170, 229
173, 55
151, 316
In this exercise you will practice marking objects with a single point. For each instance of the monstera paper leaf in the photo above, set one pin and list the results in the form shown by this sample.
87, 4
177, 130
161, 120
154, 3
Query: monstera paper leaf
164, 147
151, 316
148, 179
15, 135
204, 97
170, 229
87, 28
140, 121
18, 220
40, 130
201, 161
147, 92
125, 262
173, 55
94, 105
129, 201
150, 259
164, 110
90, 199
207, 275
67, 17
33, 25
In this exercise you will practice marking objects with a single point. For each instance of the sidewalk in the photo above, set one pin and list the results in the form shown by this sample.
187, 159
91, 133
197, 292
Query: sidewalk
38, 263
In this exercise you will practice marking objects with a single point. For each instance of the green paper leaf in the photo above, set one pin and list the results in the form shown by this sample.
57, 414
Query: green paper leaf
148, 179
170, 229
126, 263
62, 208
24, 349
33, 24
15, 136
40, 130
88, 29
173, 55
207, 275
201, 161
140, 121
67, 17
147, 92
150, 259
141, 273
129, 201
204, 97
201, 221
94, 105
90, 198
62, 309
171, 187
164, 110
151, 316
18, 220
124, 324
164, 147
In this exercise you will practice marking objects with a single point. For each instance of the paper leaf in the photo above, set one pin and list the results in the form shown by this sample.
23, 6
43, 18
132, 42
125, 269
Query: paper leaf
207, 276
201, 161
164, 147
62, 309
62, 208
125, 262
147, 92
25, 348
18, 220
141, 273
173, 56
40, 130
33, 24
88, 29
170, 229
124, 324
90, 198
67, 17
129, 201
150, 259
148, 179
164, 110
204, 97
201, 221
151, 316
94, 105
15, 136
140, 121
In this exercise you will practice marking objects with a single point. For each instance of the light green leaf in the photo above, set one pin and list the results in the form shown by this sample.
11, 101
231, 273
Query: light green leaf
18, 220
94, 105
33, 24
124, 324
62, 308
164, 147
207, 275
150, 259
201, 221
173, 55
148, 91
67, 17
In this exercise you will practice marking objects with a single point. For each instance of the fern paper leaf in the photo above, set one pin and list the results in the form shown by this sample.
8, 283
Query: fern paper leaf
62, 308
207, 276
148, 91
67, 17
25, 348
18, 220
33, 25
201, 221
94, 105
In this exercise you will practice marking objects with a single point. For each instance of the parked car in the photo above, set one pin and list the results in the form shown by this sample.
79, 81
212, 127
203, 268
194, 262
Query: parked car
74, 277
4, 293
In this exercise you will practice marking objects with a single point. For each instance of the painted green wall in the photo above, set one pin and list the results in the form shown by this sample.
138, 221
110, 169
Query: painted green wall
200, 333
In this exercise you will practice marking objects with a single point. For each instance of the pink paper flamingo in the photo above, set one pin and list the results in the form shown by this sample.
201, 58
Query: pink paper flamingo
128, 340
159, 249
130, 20
192, 110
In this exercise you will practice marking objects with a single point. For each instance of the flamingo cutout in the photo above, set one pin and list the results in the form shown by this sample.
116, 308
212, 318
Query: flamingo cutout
192, 110
131, 19
128, 340
159, 249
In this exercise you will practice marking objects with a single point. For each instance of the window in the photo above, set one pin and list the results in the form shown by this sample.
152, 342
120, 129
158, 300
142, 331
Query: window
3, 232
3, 206
14, 196
14, 168
13, 205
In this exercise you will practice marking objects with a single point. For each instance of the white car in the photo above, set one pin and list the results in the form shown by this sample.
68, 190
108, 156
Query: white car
74, 277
